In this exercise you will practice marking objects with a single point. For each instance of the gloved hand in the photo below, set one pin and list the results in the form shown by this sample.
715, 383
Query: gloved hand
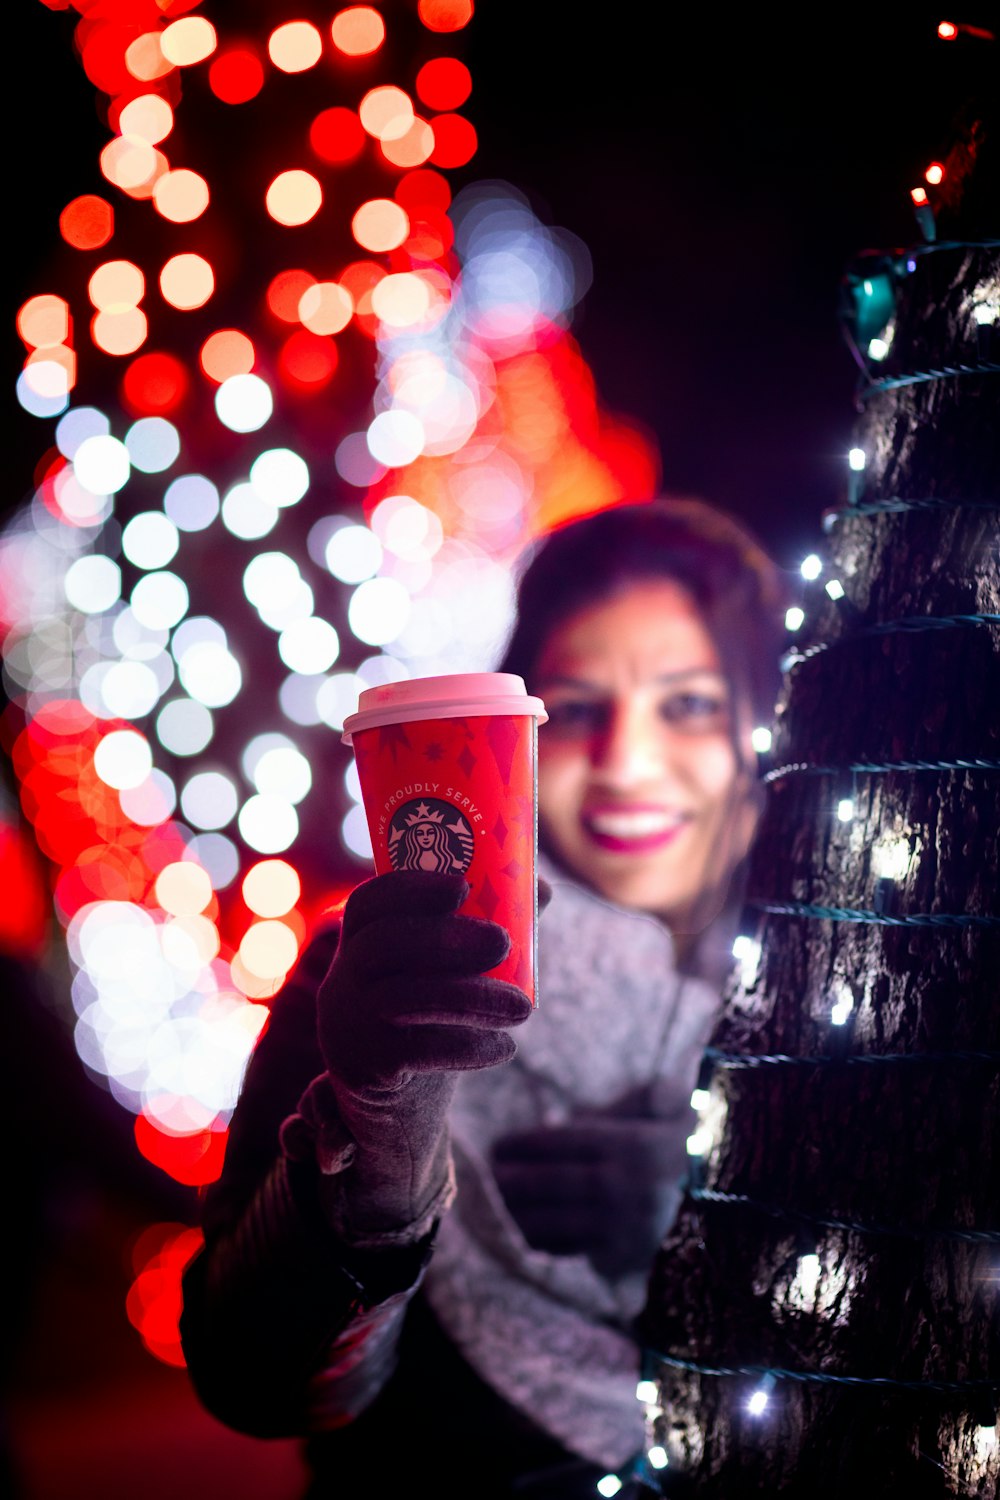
602, 1185
405, 1007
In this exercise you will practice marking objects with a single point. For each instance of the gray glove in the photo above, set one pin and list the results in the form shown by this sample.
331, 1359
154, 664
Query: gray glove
406, 1006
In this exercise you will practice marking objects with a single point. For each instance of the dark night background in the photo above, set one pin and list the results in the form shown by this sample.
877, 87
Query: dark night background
720, 166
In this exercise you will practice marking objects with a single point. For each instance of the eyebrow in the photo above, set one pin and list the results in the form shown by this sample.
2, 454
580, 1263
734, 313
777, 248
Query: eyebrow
663, 680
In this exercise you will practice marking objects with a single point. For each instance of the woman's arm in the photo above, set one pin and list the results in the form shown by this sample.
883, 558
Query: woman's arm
276, 1296
338, 1165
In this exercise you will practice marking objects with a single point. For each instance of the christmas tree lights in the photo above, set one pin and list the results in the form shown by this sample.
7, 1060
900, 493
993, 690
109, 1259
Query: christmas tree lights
301, 405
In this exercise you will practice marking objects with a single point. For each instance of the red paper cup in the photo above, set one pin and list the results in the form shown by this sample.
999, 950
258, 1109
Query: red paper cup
448, 772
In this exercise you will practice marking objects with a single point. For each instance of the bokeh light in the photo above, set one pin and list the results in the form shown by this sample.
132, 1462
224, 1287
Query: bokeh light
181, 195
225, 353
358, 31
167, 755
295, 46
87, 222
271, 888
187, 281
294, 197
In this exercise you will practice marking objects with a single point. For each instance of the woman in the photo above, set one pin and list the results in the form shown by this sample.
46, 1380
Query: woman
431, 1263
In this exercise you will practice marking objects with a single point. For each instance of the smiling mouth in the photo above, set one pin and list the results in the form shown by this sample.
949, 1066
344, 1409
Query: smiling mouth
631, 830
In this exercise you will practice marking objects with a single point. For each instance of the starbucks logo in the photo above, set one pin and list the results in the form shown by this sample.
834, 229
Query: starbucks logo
430, 835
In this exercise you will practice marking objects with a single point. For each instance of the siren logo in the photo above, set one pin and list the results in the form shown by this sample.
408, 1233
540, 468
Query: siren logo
430, 835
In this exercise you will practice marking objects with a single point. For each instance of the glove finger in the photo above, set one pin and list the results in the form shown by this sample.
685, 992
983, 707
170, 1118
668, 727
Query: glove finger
425, 945
402, 892
456, 1049
480, 1003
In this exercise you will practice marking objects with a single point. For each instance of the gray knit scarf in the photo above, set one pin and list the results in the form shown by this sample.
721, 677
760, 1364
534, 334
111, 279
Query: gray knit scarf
547, 1331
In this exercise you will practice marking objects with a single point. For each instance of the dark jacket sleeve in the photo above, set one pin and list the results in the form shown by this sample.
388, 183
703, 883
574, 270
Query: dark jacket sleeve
285, 1329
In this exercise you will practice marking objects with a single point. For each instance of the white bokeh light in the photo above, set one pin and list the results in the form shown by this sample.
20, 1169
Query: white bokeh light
280, 476
354, 832
353, 554
79, 423
93, 583
151, 802
244, 403
42, 389
395, 438
219, 856
338, 697
210, 673
283, 772
130, 689
150, 540
268, 824
153, 444
378, 611
209, 800
246, 515
297, 697
123, 759
191, 502
309, 646
184, 727
159, 600
101, 464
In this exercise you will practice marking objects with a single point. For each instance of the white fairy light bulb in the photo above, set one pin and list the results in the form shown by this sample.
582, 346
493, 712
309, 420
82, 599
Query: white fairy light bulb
759, 1399
794, 618
760, 739
857, 460
647, 1392
811, 567
747, 952
877, 349
845, 809
699, 1143
891, 859
609, 1485
835, 588
700, 1099
657, 1456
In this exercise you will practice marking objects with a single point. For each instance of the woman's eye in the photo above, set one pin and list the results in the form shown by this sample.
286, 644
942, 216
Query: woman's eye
575, 716
693, 708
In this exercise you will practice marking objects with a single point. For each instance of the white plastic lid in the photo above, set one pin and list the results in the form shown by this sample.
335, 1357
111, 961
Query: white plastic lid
460, 695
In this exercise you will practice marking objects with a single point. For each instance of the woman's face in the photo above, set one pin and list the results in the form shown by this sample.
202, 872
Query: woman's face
425, 836
641, 794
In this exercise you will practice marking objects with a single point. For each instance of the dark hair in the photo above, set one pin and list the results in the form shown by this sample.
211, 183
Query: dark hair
740, 592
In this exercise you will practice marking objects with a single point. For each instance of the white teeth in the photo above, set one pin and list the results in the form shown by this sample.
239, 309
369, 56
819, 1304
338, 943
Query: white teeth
633, 825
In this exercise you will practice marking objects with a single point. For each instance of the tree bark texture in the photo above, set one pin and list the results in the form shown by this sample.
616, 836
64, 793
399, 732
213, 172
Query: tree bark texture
909, 1149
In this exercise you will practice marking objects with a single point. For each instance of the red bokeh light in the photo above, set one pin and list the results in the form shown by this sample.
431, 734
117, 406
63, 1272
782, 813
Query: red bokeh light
455, 141
445, 15
154, 1300
947, 31
423, 189
337, 135
307, 360
193, 1159
444, 83
285, 293
935, 173
236, 76
919, 196
87, 222
154, 385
